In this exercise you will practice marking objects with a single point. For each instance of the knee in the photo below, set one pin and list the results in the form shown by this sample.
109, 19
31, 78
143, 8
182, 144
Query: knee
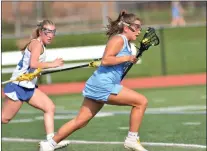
145, 102
50, 108
142, 102
4, 120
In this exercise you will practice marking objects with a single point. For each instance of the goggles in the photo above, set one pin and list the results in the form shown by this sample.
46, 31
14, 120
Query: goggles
48, 31
136, 26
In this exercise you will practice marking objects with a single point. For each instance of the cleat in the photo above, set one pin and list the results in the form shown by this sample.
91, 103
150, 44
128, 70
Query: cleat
45, 146
62, 144
133, 144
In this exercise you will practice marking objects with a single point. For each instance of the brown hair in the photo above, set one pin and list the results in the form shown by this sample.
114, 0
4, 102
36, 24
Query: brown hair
35, 34
116, 26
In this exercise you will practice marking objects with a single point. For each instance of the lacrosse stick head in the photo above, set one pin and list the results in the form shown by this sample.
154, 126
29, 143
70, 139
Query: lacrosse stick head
29, 76
149, 39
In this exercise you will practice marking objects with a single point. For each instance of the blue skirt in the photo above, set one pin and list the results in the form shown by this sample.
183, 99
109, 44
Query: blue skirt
16, 92
101, 92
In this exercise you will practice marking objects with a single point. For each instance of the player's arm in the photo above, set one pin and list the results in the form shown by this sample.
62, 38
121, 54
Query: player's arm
112, 49
35, 48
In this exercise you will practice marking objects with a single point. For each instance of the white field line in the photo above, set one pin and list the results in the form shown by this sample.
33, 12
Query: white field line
184, 123
56, 117
62, 117
6, 139
179, 108
163, 110
192, 123
149, 110
123, 128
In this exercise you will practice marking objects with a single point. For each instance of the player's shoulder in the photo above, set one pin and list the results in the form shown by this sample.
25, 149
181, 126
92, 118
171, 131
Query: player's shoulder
117, 39
35, 43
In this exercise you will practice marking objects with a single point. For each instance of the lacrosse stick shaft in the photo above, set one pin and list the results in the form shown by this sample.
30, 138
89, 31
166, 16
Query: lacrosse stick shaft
53, 71
70, 68
8, 81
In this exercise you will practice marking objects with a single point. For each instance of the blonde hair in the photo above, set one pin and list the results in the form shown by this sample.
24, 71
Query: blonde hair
35, 33
117, 26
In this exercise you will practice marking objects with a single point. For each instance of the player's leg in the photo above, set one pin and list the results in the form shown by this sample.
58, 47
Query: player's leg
12, 102
182, 21
41, 101
87, 111
138, 102
9, 109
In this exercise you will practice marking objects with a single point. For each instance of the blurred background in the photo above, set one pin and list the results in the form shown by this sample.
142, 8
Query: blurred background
174, 115
81, 24
18, 18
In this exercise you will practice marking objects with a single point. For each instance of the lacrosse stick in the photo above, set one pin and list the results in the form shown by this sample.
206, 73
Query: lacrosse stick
38, 72
25, 77
149, 39
94, 63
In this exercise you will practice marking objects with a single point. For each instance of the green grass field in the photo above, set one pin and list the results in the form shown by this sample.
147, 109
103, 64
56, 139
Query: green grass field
174, 115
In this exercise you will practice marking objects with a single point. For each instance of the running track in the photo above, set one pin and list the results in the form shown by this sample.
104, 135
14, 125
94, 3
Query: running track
149, 82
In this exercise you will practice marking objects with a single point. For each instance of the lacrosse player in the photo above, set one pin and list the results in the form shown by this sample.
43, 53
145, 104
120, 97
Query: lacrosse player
104, 87
18, 92
177, 14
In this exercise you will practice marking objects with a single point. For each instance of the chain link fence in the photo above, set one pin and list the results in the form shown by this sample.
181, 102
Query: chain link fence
19, 18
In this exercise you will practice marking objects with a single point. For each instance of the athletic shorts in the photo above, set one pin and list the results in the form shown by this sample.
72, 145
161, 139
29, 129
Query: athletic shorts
16, 92
101, 92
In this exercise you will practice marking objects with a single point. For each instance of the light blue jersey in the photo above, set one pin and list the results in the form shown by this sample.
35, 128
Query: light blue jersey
175, 12
106, 79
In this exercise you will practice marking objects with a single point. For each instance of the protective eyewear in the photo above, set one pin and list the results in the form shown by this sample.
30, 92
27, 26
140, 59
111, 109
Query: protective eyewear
136, 26
48, 31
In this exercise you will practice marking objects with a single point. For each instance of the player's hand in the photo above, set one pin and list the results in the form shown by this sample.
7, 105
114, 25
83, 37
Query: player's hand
58, 62
132, 59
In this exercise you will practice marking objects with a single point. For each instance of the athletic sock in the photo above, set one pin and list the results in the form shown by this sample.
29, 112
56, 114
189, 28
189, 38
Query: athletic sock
50, 136
133, 134
52, 142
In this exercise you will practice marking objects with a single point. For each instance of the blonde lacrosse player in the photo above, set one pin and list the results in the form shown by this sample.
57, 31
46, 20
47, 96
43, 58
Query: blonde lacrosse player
18, 92
104, 87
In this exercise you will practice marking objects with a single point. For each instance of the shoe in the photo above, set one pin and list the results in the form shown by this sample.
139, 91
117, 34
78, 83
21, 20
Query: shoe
45, 146
133, 144
62, 144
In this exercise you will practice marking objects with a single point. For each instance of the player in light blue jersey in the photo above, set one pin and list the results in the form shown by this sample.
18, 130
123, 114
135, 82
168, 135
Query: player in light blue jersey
18, 92
104, 87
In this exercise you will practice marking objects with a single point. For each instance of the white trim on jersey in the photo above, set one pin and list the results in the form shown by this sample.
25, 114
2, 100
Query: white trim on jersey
24, 67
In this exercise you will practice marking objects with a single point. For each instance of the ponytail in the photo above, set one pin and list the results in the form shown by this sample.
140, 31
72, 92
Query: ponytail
117, 26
